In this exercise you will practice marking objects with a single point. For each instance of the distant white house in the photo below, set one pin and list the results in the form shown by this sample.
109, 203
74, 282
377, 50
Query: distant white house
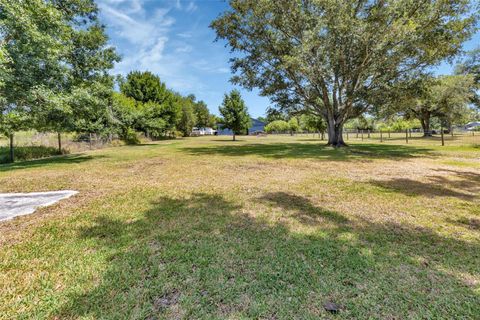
472, 125
203, 131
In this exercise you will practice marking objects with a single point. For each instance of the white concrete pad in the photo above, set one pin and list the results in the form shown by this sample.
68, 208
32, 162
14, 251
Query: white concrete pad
19, 204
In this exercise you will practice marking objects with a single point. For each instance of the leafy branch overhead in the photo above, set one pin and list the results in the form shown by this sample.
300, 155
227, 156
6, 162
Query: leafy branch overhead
334, 58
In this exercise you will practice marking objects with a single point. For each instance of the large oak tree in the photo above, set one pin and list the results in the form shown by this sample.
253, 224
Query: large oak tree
336, 58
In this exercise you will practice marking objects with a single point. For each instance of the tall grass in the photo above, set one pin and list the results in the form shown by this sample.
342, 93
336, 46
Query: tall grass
27, 153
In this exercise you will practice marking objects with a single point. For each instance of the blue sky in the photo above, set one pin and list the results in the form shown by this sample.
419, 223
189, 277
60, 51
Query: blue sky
171, 38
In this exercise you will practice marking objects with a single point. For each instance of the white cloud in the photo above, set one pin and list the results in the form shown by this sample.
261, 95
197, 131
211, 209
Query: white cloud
223, 70
184, 49
146, 36
148, 39
185, 35
191, 7
178, 4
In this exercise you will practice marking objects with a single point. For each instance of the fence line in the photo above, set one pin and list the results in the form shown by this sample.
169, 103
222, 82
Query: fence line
408, 136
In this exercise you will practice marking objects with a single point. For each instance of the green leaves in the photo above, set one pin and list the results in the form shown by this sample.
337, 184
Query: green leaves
234, 112
277, 126
54, 64
337, 58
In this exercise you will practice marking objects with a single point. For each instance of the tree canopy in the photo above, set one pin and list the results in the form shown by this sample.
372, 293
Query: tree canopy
53, 55
234, 112
335, 58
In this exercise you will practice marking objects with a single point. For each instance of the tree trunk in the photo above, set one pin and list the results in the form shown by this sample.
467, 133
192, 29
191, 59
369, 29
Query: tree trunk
59, 136
12, 152
335, 134
426, 125
234, 136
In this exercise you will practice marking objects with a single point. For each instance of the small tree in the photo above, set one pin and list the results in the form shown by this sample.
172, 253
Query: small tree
293, 125
234, 112
126, 115
202, 114
187, 119
10, 122
159, 107
313, 123
445, 97
277, 126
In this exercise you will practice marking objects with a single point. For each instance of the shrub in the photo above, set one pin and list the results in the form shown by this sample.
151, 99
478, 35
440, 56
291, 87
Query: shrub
131, 137
277, 126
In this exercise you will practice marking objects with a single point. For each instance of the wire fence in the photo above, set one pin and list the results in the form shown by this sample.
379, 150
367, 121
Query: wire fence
33, 145
433, 137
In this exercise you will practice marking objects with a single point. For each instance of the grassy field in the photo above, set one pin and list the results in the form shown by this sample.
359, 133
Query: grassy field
271, 228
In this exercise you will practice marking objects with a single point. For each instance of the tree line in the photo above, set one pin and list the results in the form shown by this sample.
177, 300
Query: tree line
55, 75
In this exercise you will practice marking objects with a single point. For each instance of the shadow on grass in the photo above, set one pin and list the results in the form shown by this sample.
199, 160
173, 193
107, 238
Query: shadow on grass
25, 153
66, 159
469, 223
314, 151
458, 184
202, 257
303, 209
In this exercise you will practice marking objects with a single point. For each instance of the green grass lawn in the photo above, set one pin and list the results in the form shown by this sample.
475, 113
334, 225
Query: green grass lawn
269, 228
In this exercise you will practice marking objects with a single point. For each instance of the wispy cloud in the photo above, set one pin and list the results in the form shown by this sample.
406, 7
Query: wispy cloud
184, 49
146, 36
168, 39
191, 7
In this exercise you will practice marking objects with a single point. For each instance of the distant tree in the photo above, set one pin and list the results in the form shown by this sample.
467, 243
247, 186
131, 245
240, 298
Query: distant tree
160, 108
126, 115
445, 97
144, 86
262, 119
452, 97
277, 126
235, 114
202, 114
274, 114
213, 121
313, 123
471, 65
293, 125
336, 57
187, 119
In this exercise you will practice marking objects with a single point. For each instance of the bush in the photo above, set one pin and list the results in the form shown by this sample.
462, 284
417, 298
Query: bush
28, 153
130, 137
277, 126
